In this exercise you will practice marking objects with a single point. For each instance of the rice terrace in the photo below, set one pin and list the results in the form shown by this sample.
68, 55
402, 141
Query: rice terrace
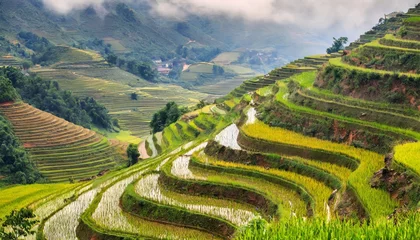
186, 120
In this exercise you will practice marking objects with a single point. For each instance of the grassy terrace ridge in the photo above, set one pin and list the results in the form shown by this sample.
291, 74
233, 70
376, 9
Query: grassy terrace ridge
269, 185
60, 151
16, 197
139, 201
408, 155
391, 40
377, 44
282, 97
119, 224
201, 186
307, 79
377, 202
316, 189
338, 63
382, 112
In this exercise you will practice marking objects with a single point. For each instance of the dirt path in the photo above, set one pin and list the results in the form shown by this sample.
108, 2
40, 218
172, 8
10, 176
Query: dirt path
152, 146
143, 151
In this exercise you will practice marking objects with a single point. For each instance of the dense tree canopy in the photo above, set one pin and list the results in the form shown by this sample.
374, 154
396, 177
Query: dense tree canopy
34, 42
164, 117
47, 96
14, 161
8, 92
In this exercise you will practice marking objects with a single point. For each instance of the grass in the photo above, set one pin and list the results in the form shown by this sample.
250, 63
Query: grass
226, 58
342, 173
338, 63
282, 97
377, 202
124, 136
307, 79
377, 44
17, 197
409, 154
412, 19
335, 229
265, 91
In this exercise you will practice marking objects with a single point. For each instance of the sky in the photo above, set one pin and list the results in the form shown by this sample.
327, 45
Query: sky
343, 17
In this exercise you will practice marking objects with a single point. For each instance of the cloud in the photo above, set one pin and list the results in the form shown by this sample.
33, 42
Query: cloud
348, 15
319, 14
66, 6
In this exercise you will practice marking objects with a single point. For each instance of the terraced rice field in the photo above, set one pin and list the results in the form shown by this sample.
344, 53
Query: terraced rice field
133, 115
207, 177
9, 61
17, 197
60, 149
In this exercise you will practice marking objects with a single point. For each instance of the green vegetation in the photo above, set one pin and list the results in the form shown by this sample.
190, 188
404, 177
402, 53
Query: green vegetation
133, 154
8, 92
405, 227
50, 140
34, 42
166, 116
377, 202
14, 160
48, 96
18, 224
338, 45
303, 154
408, 154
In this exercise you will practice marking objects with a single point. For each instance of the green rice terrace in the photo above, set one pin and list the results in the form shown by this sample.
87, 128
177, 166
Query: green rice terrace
325, 147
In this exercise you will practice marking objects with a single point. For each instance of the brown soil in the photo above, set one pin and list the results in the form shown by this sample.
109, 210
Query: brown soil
347, 206
6, 104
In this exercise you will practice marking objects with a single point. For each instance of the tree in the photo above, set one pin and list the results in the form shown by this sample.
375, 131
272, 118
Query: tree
338, 45
133, 154
18, 224
218, 70
8, 92
134, 96
166, 116
112, 59
201, 104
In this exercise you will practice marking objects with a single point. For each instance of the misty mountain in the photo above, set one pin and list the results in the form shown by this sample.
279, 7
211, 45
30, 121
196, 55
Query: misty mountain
137, 32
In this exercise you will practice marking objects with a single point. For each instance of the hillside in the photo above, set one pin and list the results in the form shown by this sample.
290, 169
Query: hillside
59, 149
325, 147
133, 30
88, 75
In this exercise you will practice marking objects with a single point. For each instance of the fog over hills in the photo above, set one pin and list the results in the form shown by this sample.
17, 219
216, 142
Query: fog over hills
343, 17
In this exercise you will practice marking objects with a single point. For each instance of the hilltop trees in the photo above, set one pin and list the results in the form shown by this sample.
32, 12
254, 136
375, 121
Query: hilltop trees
164, 117
338, 45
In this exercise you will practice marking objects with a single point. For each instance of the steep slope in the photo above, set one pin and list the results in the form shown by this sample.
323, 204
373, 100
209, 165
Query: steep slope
60, 150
